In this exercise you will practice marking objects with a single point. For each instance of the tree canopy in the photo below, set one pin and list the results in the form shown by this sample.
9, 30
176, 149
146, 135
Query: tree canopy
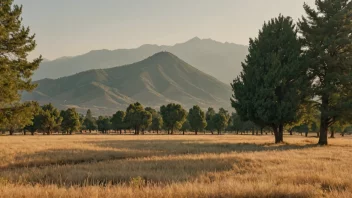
173, 115
196, 118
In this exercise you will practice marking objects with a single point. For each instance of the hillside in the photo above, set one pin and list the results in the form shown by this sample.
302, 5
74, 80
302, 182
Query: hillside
221, 60
157, 80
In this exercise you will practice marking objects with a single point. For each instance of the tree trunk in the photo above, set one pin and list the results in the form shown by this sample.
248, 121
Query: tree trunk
324, 121
12, 131
261, 131
306, 133
332, 134
281, 132
276, 133
196, 132
291, 132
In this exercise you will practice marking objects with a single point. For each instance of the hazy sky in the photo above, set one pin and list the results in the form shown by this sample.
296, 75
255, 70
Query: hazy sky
72, 27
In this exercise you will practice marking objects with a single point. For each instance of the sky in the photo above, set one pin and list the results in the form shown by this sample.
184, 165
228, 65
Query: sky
73, 27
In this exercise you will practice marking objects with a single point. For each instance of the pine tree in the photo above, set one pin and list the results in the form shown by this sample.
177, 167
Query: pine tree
49, 118
90, 122
15, 70
273, 83
209, 119
327, 40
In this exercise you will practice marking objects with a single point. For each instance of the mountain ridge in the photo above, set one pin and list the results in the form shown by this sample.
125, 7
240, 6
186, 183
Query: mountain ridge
157, 80
221, 60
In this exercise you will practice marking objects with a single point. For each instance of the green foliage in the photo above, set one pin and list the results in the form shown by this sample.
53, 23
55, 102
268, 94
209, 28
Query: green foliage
70, 121
157, 123
137, 117
273, 83
209, 119
327, 40
185, 127
104, 124
15, 70
118, 120
196, 119
220, 122
173, 115
49, 119
90, 122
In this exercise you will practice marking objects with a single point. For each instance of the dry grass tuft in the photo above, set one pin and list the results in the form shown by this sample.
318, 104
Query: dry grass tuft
173, 166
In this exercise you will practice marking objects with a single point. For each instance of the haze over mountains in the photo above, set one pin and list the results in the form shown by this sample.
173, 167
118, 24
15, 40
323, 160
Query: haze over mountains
157, 80
221, 60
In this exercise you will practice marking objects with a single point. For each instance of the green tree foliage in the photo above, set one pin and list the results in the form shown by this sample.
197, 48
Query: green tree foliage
90, 122
185, 127
196, 119
327, 40
118, 121
138, 118
19, 118
70, 121
15, 70
220, 122
173, 115
104, 124
209, 119
49, 119
157, 123
272, 85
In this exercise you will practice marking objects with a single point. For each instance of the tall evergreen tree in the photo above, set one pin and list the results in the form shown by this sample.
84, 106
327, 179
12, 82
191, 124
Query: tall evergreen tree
15, 70
327, 40
273, 83
196, 119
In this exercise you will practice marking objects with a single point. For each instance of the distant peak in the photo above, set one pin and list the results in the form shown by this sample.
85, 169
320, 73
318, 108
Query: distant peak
194, 39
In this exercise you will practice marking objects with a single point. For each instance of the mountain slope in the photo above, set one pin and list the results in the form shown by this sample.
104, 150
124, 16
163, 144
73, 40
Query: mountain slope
221, 60
157, 80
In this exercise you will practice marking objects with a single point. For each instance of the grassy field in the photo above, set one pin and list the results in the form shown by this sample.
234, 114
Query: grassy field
173, 166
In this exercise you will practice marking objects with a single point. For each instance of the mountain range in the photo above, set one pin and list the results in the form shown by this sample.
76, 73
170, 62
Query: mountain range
221, 60
159, 79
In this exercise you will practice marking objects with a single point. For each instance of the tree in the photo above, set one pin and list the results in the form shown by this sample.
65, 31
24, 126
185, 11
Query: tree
157, 123
327, 40
118, 121
15, 70
173, 115
185, 127
70, 121
137, 117
196, 119
49, 119
89, 122
273, 82
220, 122
19, 118
104, 124
209, 119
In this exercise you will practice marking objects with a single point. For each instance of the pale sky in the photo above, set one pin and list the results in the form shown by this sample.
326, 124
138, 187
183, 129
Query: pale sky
73, 27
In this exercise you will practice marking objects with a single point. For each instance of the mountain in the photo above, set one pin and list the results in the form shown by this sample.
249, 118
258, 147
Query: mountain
157, 80
221, 60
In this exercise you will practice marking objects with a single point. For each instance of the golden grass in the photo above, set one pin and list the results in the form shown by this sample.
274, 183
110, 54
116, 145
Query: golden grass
173, 166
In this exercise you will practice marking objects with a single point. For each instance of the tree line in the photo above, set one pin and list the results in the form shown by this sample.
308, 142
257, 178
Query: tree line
169, 119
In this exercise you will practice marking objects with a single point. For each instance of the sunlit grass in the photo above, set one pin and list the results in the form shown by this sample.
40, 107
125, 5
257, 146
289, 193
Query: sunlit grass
173, 166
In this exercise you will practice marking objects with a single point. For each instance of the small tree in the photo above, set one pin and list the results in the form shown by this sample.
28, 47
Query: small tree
220, 122
90, 122
104, 124
209, 119
173, 115
118, 121
137, 117
49, 118
157, 124
185, 127
70, 121
196, 119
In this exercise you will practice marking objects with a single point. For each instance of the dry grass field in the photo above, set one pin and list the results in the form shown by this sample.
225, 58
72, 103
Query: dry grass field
173, 166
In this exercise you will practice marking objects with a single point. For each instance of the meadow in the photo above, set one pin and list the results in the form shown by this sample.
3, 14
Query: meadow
174, 166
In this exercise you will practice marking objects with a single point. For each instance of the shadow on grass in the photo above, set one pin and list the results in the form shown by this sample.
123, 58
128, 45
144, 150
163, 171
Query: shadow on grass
132, 149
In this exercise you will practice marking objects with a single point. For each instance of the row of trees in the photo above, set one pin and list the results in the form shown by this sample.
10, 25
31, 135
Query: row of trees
295, 73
